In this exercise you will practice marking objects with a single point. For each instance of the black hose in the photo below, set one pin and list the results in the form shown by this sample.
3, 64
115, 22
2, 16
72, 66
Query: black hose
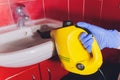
101, 72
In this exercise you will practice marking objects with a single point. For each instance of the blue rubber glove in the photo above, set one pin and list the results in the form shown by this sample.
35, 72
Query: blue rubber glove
105, 38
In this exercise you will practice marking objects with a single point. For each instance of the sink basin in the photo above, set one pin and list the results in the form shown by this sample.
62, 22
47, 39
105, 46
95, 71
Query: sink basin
21, 47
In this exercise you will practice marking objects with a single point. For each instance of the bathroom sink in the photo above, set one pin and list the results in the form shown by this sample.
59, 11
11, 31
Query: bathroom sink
24, 46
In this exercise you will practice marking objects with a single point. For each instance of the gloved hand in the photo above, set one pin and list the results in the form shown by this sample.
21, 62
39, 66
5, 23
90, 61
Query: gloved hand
105, 38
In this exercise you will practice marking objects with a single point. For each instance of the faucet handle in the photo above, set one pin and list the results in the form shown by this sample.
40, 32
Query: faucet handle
26, 17
20, 10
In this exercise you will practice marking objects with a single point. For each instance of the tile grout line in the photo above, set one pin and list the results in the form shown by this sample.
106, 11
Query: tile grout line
44, 13
10, 12
83, 10
101, 8
68, 3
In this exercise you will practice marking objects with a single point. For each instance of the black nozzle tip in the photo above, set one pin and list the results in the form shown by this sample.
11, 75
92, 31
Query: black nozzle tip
67, 23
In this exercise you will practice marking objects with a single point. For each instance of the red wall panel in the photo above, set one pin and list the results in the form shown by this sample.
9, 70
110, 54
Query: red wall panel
56, 9
92, 10
5, 14
3, 1
76, 10
111, 14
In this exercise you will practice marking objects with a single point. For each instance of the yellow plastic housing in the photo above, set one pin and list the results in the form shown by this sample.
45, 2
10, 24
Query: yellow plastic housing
72, 53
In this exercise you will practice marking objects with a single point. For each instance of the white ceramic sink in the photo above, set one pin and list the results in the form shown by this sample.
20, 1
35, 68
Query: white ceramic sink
21, 47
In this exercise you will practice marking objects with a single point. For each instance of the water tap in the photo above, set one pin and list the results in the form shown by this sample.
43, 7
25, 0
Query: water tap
22, 16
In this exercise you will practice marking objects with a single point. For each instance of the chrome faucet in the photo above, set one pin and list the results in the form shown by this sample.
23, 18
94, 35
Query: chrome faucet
22, 15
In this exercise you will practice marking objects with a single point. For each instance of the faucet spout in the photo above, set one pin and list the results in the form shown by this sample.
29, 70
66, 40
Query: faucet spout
22, 15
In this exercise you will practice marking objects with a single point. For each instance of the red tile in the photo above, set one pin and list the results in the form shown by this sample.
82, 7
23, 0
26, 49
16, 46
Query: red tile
56, 9
92, 11
20, 1
3, 1
17, 1
76, 10
110, 17
35, 9
111, 12
6, 17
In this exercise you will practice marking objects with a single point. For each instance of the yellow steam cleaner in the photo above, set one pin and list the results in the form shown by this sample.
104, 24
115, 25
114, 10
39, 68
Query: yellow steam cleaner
74, 57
